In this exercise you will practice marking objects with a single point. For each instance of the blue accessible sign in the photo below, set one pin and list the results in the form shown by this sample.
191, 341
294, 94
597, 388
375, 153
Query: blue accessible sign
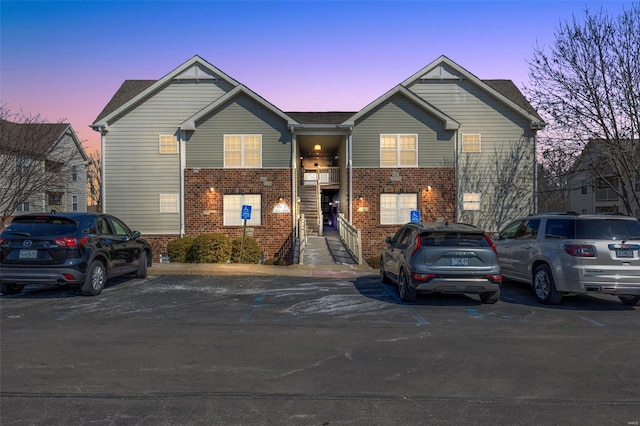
246, 212
415, 216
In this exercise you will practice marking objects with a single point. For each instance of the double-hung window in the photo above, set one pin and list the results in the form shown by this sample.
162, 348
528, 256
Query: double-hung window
243, 151
169, 203
471, 201
168, 144
396, 209
233, 209
398, 150
471, 142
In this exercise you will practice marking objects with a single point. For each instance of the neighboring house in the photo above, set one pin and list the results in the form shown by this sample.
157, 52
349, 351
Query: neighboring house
596, 188
42, 168
183, 154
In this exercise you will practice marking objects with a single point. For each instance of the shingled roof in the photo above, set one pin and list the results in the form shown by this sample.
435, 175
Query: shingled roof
131, 88
30, 138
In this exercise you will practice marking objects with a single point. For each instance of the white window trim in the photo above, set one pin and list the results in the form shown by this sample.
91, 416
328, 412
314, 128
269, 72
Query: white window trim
166, 205
232, 217
462, 144
397, 135
242, 151
399, 211
165, 144
471, 204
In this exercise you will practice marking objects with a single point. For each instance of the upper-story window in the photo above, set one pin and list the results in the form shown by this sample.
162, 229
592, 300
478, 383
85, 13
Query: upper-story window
22, 164
471, 142
584, 187
74, 173
74, 203
168, 144
23, 206
398, 150
606, 189
243, 151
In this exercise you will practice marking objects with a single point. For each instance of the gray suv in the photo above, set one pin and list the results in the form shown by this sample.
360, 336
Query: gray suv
565, 253
441, 258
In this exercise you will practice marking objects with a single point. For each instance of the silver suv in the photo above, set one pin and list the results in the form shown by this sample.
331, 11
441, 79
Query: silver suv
565, 253
442, 258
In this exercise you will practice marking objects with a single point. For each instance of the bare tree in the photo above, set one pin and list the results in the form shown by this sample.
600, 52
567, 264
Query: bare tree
32, 163
587, 87
94, 180
504, 181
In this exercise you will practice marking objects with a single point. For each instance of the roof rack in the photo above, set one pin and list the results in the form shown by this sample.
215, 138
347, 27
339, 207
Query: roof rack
562, 212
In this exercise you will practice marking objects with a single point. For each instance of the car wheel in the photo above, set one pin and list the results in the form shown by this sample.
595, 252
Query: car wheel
545, 287
383, 275
96, 277
9, 288
407, 294
143, 263
630, 300
490, 297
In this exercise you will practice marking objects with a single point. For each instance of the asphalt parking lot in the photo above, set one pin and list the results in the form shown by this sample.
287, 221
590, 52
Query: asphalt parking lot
235, 350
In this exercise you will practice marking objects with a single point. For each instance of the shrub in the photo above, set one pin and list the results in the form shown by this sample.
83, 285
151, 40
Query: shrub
374, 262
277, 261
210, 248
252, 253
178, 249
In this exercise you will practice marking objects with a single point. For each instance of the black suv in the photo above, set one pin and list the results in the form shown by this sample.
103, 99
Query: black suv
77, 249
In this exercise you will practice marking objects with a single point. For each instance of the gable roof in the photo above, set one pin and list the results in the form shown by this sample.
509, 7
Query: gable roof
191, 122
135, 91
331, 117
503, 90
36, 139
449, 123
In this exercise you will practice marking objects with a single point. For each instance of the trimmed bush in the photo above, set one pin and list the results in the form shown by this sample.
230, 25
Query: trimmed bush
277, 261
210, 248
178, 250
252, 253
374, 262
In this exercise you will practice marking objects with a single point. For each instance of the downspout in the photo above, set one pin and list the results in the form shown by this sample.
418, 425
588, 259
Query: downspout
103, 195
535, 172
350, 170
457, 177
182, 161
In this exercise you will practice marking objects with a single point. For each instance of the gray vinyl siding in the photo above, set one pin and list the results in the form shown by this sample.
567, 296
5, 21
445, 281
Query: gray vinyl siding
436, 146
135, 171
241, 115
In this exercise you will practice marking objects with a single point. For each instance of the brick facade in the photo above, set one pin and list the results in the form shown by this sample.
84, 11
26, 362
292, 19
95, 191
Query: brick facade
204, 209
438, 203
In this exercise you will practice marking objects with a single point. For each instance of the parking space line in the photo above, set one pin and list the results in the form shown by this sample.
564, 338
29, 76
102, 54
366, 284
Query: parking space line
594, 322
394, 296
256, 304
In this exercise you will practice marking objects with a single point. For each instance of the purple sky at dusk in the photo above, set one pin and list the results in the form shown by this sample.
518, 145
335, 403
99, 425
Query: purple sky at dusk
65, 60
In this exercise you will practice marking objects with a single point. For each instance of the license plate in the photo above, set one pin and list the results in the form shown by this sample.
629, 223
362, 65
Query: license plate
624, 253
28, 254
459, 261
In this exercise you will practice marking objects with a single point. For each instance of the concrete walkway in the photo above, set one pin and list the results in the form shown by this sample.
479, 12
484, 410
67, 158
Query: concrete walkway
327, 250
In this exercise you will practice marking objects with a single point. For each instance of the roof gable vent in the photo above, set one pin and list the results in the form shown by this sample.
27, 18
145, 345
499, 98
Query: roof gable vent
441, 72
197, 72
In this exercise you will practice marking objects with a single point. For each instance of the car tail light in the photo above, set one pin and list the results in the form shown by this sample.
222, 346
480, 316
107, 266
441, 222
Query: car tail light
578, 250
71, 242
69, 277
496, 279
490, 241
2, 240
423, 277
418, 245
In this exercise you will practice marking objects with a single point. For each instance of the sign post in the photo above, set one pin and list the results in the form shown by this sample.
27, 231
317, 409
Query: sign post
246, 215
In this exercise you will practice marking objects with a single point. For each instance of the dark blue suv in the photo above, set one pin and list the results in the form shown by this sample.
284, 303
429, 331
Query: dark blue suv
77, 249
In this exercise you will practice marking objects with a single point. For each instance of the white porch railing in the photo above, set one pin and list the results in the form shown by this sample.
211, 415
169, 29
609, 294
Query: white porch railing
302, 238
351, 237
322, 176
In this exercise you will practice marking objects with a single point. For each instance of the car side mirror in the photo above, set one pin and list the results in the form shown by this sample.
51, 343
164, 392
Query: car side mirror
136, 235
496, 236
388, 240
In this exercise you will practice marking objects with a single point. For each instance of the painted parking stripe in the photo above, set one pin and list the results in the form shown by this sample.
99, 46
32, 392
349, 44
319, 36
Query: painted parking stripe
419, 319
256, 304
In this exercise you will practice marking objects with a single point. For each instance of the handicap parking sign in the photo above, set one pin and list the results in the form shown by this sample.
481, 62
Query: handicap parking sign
246, 212
415, 215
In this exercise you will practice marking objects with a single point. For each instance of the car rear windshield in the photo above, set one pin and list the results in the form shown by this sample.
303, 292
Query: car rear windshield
454, 239
41, 226
599, 229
